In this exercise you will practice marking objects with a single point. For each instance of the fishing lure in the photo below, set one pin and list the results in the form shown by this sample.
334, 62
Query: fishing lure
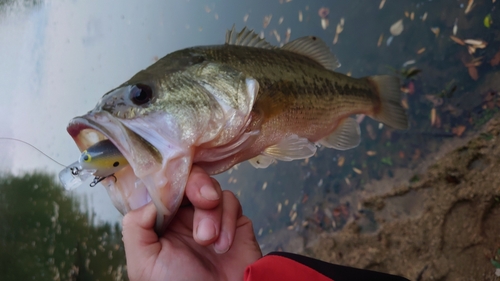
101, 160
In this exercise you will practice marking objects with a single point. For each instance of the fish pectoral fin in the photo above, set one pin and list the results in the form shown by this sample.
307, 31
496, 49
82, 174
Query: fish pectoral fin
291, 148
246, 37
315, 49
261, 161
346, 136
390, 111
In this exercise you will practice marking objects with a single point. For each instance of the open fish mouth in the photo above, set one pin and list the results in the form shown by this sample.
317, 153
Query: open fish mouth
153, 174
125, 187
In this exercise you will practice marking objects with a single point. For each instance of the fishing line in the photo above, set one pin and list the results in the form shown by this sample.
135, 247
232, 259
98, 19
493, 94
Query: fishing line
14, 139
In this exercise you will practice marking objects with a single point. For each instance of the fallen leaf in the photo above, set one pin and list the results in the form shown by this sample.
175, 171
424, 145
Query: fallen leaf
280, 21
487, 20
469, 6
397, 28
424, 17
267, 20
458, 131
300, 16
473, 72
435, 30
325, 23
410, 62
389, 41
380, 39
245, 18
455, 27
411, 88
323, 12
287, 35
496, 59
437, 124
357, 171
477, 43
381, 4
421, 51
412, 15
433, 116
457, 40
401, 154
474, 62
276, 34
371, 153
336, 38
347, 181
339, 29
471, 49
340, 161
404, 103
436, 101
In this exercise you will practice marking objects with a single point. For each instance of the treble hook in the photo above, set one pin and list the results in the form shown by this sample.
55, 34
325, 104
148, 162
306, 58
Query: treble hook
96, 181
99, 179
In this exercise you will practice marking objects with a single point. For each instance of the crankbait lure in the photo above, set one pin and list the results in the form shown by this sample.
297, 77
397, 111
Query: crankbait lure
101, 160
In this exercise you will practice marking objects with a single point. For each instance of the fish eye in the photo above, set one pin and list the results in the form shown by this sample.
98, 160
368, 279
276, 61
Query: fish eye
116, 164
141, 94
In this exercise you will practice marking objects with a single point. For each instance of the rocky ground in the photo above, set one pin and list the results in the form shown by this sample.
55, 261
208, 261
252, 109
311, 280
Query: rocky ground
441, 222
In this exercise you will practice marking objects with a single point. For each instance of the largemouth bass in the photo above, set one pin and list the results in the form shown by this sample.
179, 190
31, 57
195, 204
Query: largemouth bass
216, 106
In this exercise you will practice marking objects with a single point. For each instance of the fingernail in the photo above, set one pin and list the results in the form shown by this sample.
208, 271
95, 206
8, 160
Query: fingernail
208, 192
222, 245
206, 230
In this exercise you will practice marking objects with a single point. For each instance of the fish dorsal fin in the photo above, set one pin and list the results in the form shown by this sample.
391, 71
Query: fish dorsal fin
246, 37
291, 148
346, 136
315, 49
261, 161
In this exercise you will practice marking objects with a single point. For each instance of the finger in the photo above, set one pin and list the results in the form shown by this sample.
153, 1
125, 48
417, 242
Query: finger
139, 237
231, 211
201, 190
207, 222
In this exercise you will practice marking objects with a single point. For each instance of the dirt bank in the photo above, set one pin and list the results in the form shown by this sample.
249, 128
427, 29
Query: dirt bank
442, 222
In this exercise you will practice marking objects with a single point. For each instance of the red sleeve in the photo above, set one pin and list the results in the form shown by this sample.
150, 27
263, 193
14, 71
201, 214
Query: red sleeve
280, 268
293, 267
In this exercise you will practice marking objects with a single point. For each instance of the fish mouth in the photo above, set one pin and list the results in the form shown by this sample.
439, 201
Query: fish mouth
125, 187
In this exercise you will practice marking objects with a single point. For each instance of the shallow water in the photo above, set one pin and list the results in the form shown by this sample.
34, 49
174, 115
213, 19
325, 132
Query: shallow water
59, 57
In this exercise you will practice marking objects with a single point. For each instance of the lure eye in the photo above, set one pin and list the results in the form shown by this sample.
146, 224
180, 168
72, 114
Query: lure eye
86, 157
141, 94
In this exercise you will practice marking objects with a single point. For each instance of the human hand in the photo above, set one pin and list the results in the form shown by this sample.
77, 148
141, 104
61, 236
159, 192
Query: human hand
209, 239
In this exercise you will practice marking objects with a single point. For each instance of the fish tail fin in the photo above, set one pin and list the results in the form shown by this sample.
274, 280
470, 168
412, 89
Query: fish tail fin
389, 109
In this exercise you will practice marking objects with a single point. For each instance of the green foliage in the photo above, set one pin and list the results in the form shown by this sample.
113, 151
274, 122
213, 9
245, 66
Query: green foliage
386, 160
486, 136
25, 3
45, 236
414, 179
495, 260
485, 117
